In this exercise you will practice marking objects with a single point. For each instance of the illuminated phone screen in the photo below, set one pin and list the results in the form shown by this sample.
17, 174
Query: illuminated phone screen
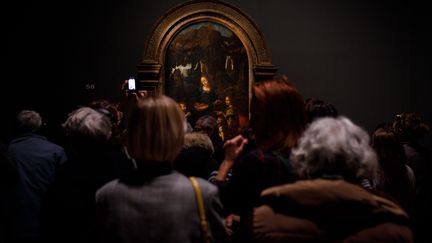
131, 84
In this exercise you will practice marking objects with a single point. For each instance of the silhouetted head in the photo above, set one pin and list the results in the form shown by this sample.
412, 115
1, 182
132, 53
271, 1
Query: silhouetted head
277, 114
107, 108
29, 121
389, 149
410, 126
316, 108
334, 147
155, 129
87, 125
206, 124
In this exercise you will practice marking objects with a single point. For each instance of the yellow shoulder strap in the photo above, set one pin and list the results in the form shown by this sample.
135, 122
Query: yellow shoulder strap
201, 211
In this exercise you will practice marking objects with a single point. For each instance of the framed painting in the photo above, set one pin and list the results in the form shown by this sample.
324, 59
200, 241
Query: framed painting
206, 55
206, 69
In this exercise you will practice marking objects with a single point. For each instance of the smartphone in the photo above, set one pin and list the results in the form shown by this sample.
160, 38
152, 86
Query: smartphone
131, 84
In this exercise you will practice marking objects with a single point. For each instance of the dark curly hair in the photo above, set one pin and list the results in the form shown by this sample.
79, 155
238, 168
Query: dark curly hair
316, 108
409, 126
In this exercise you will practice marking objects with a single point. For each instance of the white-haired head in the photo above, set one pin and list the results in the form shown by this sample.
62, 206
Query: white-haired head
334, 147
88, 123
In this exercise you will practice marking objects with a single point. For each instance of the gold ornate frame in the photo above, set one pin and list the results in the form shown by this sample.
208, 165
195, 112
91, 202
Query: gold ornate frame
150, 71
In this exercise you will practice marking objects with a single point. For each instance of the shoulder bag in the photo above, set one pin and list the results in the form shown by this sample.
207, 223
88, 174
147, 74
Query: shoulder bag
201, 211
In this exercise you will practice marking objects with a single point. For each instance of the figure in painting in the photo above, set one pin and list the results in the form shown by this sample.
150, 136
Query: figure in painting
204, 99
231, 117
227, 118
187, 115
177, 85
222, 125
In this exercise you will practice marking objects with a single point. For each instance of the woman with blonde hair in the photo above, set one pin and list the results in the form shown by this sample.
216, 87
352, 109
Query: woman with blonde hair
155, 203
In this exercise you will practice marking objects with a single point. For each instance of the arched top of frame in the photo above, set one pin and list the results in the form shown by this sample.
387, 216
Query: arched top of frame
188, 13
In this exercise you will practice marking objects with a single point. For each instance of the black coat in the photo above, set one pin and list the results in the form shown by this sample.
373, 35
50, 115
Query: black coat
68, 210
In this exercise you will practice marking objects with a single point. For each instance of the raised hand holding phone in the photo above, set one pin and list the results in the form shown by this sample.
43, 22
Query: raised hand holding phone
131, 91
131, 84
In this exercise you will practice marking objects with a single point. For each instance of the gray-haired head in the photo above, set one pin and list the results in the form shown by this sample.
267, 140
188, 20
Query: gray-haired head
29, 121
334, 147
88, 123
198, 139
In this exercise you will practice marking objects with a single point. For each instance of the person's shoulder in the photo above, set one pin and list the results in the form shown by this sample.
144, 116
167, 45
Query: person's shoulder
24, 138
208, 189
258, 155
57, 146
42, 139
206, 184
110, 187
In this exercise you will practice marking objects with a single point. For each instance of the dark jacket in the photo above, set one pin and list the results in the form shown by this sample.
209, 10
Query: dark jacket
69, 207
37, 161
253, 173
325, 211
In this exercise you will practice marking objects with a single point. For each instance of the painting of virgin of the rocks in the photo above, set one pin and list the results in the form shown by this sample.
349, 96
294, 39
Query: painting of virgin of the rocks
206, 70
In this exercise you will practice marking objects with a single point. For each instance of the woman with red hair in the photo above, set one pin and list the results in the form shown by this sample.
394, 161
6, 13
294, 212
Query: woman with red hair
277, 121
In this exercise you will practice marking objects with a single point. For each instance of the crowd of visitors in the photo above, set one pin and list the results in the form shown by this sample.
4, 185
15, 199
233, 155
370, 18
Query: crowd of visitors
299, 171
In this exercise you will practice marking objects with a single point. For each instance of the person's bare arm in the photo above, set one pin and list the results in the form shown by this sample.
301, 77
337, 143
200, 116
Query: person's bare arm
233, 149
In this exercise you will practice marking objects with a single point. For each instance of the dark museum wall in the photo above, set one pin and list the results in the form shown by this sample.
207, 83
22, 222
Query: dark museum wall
371, 59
